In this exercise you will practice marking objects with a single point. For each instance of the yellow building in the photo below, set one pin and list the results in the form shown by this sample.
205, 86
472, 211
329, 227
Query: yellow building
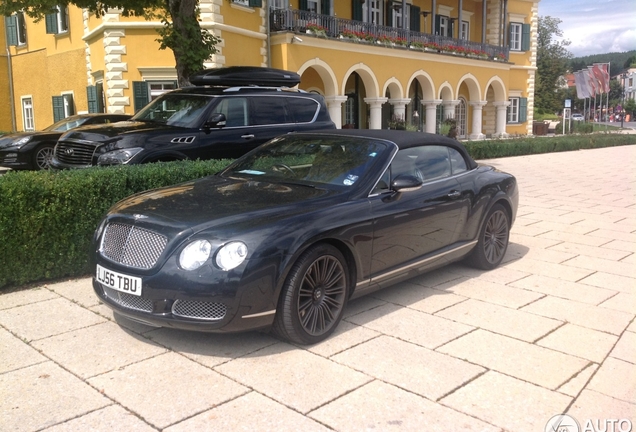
374, 61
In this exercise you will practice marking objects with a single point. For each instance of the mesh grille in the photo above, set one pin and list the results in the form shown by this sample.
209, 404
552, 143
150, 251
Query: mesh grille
132, 246
74, 153
199, 309
127, 300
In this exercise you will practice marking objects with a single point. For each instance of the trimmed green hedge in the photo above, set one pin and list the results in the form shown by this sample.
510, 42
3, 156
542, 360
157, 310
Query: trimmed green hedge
47, 219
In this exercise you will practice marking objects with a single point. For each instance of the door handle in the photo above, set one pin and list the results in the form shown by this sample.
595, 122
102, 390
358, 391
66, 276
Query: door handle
454, 194
248, 136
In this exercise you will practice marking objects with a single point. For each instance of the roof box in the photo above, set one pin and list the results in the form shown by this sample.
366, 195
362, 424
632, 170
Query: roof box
245, 76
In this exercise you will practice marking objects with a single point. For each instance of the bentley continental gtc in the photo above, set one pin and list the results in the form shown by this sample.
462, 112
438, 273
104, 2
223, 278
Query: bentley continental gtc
286, 235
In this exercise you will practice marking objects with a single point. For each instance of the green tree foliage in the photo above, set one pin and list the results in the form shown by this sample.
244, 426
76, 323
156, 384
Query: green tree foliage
181, 33
552, 64
630, 108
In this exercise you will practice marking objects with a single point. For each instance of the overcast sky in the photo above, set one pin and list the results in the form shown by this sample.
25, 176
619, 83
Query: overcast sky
594, 26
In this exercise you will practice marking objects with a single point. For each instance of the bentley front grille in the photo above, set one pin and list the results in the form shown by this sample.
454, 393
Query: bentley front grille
199, 310
73, 153
127, 300
132, 246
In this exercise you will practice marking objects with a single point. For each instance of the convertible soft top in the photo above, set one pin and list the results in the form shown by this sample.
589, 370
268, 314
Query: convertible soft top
403, 139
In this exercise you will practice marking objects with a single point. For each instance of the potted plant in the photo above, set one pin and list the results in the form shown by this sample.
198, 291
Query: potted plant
317, 30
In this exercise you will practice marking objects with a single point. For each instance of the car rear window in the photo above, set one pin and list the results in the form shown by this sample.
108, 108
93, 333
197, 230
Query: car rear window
303, 109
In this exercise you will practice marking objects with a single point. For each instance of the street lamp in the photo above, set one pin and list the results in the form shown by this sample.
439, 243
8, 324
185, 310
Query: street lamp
623, 77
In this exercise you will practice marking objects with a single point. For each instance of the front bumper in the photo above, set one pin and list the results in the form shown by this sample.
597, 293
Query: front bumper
15, 158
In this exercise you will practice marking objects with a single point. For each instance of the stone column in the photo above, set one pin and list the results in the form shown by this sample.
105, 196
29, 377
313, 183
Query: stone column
431, 115
375, 111
334, 105
449, 108
501, 119
399, 107
476, 133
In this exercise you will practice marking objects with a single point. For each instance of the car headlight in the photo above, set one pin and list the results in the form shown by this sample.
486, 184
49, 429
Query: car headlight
231, 255
195, 254
22, 141
118, 157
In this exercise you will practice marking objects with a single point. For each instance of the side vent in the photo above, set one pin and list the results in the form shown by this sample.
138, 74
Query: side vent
183, 140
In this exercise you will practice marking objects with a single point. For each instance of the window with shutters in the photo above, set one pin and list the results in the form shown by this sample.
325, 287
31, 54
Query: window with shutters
279, 4
513, 110
398, 17
444, 26
376, 11
15, 28
21, 30
465, 31
515, 36
28, 122
57, 22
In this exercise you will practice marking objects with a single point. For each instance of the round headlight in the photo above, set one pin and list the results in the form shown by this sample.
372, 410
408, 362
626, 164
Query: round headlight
195, 254
22, 141
231, 255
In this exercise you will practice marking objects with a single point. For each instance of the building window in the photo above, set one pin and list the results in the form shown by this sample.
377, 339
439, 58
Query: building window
443, 26
313, 6
15, 28
513, 110
465, 31
63, 107
515, 36
145, 91
460, 117
28, 122
279, 4
397, 18
159, 88
57, 22
376, 11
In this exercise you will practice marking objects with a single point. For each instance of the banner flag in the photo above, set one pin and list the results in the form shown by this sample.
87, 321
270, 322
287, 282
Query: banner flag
602, 76
579, 81
591, 81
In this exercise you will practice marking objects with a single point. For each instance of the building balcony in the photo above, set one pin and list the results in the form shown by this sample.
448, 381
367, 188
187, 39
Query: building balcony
350, 31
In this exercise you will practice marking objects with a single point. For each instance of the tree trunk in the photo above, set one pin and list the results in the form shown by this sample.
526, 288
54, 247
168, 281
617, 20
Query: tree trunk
183, 14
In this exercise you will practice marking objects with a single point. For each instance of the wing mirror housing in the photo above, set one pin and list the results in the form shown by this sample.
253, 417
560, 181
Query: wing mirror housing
216, 121
405, 183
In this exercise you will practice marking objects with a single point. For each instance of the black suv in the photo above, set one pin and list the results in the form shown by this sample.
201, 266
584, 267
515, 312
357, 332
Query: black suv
225, 120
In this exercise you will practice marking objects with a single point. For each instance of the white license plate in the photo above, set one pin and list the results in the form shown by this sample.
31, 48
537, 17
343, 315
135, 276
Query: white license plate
118, 281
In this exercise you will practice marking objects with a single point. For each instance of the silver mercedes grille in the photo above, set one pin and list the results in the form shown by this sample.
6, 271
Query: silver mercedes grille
74, 153
199, 309
127, 300
132, 246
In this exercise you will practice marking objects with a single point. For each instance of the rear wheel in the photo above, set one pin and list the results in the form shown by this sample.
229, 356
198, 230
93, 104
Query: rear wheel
313, 297
42, 157
493, 240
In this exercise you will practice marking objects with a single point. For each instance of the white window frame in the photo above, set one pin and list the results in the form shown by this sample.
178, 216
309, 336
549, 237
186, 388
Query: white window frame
513, 110
313, 6
377, 10
444, 25
245, 3
21, 29
464, 30
516, 30
397, 17
279, 4
28, 118
166, 86
68, 109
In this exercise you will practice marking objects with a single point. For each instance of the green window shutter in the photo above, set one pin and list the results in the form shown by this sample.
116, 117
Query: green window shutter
91, 96
525, 37
11, 29
256, 3
302, 5
415, 18
523, 110
100, 97
389, 14
357, 10
58, 108
438, 25
326, 7
51, 23
140, 94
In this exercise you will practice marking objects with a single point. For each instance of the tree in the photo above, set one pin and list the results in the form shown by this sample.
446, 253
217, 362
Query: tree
181, 33
552, 64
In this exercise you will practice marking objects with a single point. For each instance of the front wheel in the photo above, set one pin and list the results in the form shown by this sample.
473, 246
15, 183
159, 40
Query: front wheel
42, 157
493, 240
313, 297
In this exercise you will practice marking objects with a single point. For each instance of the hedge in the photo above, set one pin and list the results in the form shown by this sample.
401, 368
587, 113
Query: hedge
47, 219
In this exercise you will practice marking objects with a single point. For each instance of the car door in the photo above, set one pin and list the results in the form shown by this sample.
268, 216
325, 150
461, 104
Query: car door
411, 225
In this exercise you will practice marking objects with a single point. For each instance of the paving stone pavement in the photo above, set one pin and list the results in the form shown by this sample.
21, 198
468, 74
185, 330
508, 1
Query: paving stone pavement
551, 331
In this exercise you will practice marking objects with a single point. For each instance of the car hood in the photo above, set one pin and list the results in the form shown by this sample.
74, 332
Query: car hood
8, 140
104, 133
233, 203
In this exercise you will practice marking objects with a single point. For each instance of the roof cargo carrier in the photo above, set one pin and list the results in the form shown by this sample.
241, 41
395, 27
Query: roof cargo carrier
245, 76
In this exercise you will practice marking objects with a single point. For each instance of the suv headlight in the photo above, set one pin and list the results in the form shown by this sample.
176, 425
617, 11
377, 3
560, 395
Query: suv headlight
118, 157
195, 254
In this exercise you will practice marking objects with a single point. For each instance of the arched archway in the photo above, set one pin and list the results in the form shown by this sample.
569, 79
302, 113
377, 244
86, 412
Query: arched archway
468, 87
363, 106
420, 111
495, 111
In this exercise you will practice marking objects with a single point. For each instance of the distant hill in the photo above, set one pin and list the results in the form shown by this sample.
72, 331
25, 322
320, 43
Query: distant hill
616, 60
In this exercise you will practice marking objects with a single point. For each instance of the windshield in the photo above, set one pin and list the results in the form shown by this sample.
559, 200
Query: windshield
175, 109
312, 160
66, 124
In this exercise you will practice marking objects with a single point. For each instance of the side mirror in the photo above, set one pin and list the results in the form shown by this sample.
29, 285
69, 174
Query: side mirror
406, 183
216, 121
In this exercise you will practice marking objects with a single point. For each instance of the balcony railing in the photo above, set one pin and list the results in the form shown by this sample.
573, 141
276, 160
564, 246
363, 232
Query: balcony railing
297, 21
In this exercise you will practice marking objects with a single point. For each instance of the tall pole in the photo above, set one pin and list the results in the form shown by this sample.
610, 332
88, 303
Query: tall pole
623, 77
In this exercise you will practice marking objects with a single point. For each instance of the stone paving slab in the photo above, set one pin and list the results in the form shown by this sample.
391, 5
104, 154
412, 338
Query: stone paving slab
551, 330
